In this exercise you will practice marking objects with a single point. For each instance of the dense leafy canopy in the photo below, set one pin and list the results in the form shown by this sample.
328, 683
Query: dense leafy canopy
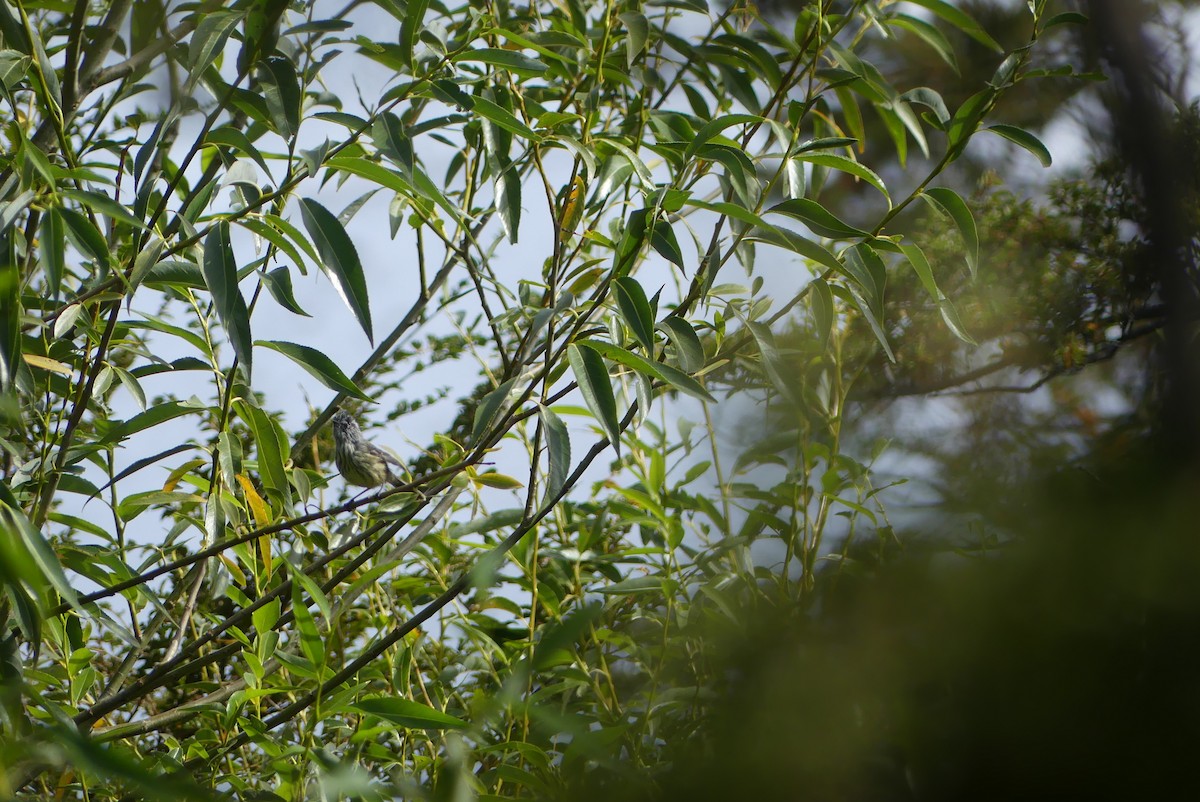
611, 218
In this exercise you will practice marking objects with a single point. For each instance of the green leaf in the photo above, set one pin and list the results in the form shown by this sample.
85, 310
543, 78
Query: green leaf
637, 28
592, 377
372, 171
311, 642
271, 445
558, 452
687, 345
792, 241
85, 236
115, 431
865, 266
207, 43
1025, 139
490, 408
38, 549
675, 378
927, 33
818, 219
10, 319
281, 89
558, 637
512, 61
853, 295
339, 260
324, 369
279, 284
1066, 18
102, 204
833, 161
711, 129
635, 308
312, 589
950, 204
662, 239
508, 199
920, 265
231, 137
410, 29
491, 110
406, 713
52, 246
731, 210
961, 20
821, 304
220, 274
954, 322
931, 100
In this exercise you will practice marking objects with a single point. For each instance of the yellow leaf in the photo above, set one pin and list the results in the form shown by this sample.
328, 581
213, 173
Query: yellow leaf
46, 363
179, 472
262, 513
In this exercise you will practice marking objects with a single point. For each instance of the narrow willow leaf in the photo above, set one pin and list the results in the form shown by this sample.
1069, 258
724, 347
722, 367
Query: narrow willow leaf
662, 239
38, 549
715, 127
104, 205
410, 29
866, 267
930, 99
637, 28
406, 713
552, 648
857, 169
115, 431
279, 284
502, 117
635, 308
558, 453
311, 642
324, 369
772, 363
52, 246
271, 445
1025, 139
819, 220
258, 507
792, 241
10, 321
853, 295
920, 265
949, 203
281, 89
312, 589
85, 236
489, 409
656, 370
207, 43
961, 20
688, 349
233, 138
516, 63
339, 260
821, 304
954, 322
592, 378
508, 199
929, 34
731, 210
220, 274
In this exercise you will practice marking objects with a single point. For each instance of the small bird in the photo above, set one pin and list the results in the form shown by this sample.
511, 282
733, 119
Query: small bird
360, 462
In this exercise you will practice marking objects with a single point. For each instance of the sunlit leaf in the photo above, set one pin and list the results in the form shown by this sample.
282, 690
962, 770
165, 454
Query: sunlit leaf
339, 260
